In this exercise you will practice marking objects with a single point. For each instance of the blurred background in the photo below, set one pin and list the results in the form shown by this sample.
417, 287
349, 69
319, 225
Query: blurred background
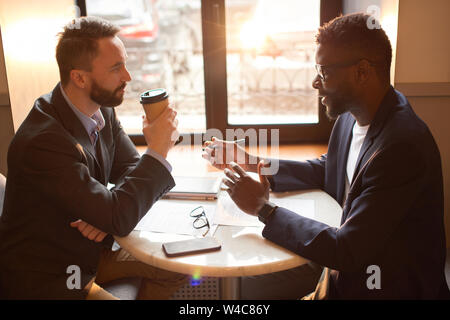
269, 56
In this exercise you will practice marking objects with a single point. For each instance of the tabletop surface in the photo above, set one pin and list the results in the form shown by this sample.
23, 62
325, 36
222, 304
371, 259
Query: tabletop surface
244, 251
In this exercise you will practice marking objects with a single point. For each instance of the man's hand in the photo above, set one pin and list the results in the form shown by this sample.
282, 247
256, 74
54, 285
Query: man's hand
89, 231
161, 133
248, 194
220, 153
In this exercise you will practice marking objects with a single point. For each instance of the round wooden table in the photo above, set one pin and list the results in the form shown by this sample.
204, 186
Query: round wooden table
244, 251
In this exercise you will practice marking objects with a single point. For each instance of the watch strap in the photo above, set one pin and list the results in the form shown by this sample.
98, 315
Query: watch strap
266, 211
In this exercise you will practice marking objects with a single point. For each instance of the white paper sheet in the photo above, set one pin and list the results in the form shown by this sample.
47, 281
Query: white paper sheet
172, 217
227, 212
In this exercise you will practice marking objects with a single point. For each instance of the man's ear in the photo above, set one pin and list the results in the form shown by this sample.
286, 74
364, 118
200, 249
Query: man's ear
79, 78
363, 71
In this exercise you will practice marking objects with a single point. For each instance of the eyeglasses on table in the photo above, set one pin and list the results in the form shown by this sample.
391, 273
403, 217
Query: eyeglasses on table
201, 220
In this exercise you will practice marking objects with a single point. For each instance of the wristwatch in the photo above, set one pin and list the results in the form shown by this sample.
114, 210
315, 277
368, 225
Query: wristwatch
266, 211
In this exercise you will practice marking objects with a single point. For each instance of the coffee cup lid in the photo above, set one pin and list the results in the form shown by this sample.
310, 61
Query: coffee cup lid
154, 95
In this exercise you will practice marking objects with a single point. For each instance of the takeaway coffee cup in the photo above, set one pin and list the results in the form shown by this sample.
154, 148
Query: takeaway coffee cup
154, 102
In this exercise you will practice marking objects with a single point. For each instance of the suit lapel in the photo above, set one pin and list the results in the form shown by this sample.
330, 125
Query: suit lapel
79, 133
374, 129
74, 126
102, 156
343, 155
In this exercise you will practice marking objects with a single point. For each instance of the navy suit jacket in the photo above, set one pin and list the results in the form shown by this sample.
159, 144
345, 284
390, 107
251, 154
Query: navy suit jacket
393, 214
55, 177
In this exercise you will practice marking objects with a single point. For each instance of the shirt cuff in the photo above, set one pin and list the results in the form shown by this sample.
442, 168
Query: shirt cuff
160, 158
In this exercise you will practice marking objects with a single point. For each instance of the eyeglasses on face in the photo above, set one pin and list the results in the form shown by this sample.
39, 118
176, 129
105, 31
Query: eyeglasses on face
322, 70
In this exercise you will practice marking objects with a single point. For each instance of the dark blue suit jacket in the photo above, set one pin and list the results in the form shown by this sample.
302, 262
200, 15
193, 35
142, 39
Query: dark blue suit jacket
392, 217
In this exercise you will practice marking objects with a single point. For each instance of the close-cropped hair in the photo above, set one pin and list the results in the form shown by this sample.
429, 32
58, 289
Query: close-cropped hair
77, 44
359, 35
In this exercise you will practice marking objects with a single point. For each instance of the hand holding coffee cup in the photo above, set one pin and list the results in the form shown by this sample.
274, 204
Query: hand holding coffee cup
154, 102
160, 123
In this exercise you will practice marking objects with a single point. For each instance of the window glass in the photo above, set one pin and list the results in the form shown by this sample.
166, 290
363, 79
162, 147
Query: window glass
163, 39
270, 61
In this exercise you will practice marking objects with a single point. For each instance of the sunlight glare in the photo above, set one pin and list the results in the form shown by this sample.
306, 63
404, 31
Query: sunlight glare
33, 39
253, 35
275, 17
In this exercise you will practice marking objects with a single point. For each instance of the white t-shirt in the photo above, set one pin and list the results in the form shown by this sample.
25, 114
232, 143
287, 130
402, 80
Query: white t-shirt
359, 133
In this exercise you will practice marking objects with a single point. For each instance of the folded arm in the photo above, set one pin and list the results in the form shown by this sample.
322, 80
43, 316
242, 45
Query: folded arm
58, 170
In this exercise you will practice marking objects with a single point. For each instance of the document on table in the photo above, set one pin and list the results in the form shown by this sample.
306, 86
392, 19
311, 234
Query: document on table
228, 213
172, 217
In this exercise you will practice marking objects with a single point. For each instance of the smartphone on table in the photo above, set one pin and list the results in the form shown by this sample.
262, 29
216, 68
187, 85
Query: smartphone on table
191, 246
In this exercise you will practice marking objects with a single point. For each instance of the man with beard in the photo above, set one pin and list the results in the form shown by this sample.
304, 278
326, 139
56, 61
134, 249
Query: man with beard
382, 165
59, 216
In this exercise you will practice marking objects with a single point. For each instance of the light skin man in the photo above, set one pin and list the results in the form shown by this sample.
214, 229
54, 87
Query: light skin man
68, 149
105, 85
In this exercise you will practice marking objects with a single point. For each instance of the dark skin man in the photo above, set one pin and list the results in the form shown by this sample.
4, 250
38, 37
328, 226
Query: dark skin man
345, 82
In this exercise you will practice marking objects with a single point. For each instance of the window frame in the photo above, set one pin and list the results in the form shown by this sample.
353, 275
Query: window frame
215, 80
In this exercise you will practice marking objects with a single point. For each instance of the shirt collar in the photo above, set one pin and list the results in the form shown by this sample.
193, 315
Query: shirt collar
95, 123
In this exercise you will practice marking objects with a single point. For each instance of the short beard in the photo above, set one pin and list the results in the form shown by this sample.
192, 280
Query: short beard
104, 97
341, 102
333, 114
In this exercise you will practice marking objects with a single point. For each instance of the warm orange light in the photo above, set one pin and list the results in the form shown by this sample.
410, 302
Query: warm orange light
275, 17
33, 39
